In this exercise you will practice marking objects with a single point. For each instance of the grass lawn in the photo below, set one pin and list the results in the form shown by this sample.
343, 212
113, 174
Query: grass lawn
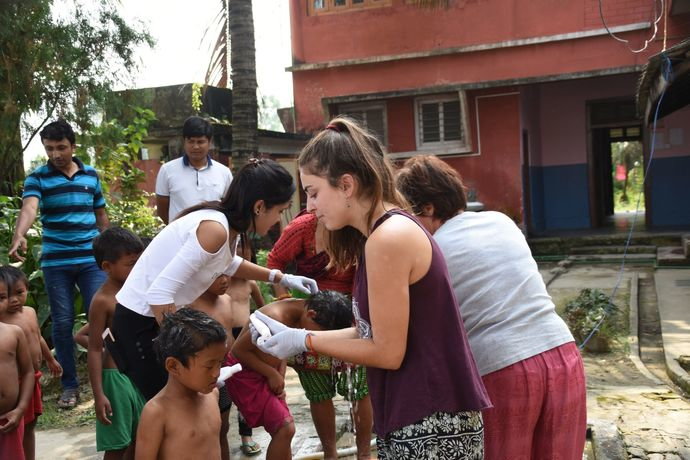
54, 417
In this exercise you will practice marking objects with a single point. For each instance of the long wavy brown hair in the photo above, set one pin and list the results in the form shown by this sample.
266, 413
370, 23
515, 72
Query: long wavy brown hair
345, 147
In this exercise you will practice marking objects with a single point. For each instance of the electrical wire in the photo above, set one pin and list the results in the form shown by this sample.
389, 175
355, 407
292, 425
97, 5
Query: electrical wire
667, 76
622, 40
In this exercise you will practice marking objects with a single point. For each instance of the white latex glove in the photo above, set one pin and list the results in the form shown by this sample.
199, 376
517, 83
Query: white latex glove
226, 372
283, 342
301, 283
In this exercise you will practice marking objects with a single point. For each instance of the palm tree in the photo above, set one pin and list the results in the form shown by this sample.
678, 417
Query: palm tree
235, 22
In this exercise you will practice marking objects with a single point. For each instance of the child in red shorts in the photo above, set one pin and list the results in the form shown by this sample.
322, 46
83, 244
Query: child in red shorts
25, 317
16, 382
259, 389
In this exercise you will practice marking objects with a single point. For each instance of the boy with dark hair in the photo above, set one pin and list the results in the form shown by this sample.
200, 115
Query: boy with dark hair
25, 317
182, 420
259, 389
72, 213
118, 403
194, 177
16, 382
218, 305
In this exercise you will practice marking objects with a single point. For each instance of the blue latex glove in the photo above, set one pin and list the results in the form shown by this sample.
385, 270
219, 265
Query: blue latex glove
283, 342
301, 283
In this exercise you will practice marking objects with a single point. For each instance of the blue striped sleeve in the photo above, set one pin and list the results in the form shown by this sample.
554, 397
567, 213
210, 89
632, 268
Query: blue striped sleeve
32, 187
98, 199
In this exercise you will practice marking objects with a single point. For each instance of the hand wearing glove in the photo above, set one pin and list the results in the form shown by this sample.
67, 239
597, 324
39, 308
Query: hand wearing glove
284, 341
301, 283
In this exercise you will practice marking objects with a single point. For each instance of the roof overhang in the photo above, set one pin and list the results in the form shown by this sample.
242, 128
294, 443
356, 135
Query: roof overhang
666, 74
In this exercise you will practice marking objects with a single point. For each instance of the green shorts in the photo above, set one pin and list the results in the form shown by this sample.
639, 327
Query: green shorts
320, 386
127, 404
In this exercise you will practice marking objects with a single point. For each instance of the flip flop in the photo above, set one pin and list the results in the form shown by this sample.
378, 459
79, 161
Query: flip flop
250, 448
68, 398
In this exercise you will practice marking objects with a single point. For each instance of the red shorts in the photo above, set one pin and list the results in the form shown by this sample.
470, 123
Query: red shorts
254, 399
35, 407
12, 443
540, 408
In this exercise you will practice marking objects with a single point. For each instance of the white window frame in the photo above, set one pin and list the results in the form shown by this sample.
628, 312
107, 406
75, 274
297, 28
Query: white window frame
343, 109
443, 147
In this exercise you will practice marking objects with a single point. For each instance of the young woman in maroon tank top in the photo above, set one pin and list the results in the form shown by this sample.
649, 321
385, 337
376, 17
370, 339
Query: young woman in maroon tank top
425, 389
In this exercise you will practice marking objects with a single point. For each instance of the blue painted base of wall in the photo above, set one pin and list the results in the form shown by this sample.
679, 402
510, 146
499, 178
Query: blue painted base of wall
670, 192
560, 197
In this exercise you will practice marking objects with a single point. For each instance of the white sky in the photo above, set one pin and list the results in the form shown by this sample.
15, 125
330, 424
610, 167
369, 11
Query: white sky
179, 56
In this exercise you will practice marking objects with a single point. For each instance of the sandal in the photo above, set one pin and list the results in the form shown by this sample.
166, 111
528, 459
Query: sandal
250, 448
68, 398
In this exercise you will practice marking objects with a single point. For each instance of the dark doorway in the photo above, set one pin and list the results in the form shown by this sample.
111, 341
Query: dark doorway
616, 164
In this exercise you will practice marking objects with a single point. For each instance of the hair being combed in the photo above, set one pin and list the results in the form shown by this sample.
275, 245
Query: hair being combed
347, 148
185, 333
333, 309
427, 179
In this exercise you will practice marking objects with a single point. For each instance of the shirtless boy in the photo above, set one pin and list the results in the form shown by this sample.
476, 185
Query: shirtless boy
16, 382
118, 403
259, 389
25, 317
242, 292
182, 421
216, 304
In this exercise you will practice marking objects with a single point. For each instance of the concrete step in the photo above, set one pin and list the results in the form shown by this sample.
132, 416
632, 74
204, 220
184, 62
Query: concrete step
671, 256
639, 249
612, 258
563, 245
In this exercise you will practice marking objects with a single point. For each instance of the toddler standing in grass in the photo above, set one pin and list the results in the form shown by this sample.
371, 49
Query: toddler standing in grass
25, 317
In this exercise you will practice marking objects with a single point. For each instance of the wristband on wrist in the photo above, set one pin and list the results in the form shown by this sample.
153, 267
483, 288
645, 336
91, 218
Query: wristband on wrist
272, 275
310, 346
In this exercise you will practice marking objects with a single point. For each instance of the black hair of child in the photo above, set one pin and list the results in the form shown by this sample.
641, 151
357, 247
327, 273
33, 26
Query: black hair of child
185, 333
333, 309
115, 242
57, 131
4, 279
146, 240
11, 275
197, 127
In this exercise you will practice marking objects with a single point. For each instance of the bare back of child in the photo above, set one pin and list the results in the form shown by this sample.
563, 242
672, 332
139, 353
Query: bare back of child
183, 421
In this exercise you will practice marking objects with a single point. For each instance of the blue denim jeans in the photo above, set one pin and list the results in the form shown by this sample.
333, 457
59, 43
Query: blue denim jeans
60, 283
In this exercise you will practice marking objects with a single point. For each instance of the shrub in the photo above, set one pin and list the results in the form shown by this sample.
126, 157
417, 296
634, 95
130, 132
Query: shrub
585, 312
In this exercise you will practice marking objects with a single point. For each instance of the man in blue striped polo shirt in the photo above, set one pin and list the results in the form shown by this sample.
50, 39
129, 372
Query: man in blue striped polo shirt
69, 196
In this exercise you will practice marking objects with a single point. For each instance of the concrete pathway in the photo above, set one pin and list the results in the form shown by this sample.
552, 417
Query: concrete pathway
673, 292
80, 443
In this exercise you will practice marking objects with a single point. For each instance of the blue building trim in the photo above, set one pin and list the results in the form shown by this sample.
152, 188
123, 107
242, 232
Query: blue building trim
560, 197
670, 192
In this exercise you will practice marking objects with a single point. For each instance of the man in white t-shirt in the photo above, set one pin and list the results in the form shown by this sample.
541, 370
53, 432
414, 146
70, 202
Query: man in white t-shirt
194, 177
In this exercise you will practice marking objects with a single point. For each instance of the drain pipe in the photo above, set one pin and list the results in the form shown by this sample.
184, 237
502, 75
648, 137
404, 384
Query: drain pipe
342, 452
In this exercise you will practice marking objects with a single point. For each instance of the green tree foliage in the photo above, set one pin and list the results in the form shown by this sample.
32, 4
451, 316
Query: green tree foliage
113, 149
57, 63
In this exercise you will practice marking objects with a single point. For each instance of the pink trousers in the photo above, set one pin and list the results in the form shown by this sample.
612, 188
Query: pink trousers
540, 408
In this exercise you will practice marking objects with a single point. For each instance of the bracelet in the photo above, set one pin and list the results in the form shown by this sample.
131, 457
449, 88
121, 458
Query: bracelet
310, 346
272, 275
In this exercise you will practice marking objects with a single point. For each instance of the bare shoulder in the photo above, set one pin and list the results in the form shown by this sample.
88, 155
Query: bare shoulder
10, 330
211, 235
103, 302
283, 310
397, 233
154, 410
30, 313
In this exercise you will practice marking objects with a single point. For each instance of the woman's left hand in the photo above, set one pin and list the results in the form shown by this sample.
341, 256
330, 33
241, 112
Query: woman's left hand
301, 283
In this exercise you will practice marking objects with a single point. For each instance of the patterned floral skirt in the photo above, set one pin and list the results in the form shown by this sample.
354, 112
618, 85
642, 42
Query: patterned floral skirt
440, 436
